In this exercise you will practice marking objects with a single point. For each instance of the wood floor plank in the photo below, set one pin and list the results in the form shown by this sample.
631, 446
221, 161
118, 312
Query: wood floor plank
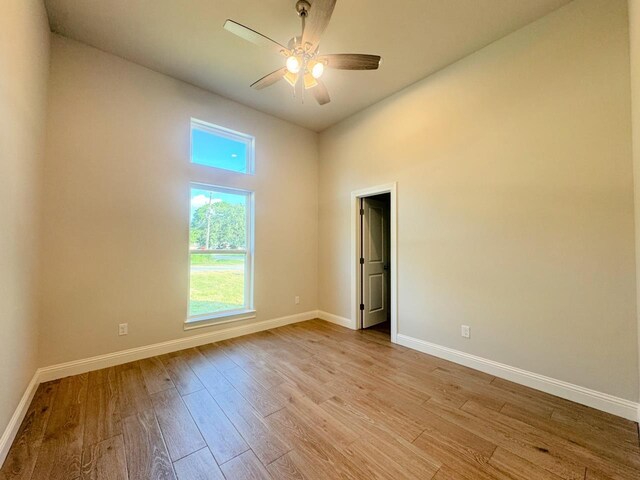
60, 453
397, 421
132, 392
326, 424
577, 420
216, 355
156, 377
105, 460
245, 467
223, 439
259, 397
185, 380
314, 390
284, 468
145, 451
447, 473
103, 375
530, 446
594, 475
588, 436
312, 454
102, 417
265, 443
239, 352
178, 428
381, 463
263, 374
569, 451
199, 465
415, 461
374, 379
210, 377
461, 450
518, 468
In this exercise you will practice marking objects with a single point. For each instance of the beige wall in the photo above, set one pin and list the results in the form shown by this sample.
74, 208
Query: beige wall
515, 200
116, 203
634, 33
24, 63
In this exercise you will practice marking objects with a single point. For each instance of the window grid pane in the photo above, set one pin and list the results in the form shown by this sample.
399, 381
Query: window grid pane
216, 147
217, 283
218, 220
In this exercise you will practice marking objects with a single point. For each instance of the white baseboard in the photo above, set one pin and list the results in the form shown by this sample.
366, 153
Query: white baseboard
84, 365
585, 396
330, 317
16, 419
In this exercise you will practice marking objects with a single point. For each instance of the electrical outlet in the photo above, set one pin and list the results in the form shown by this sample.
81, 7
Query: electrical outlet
465, 331
123, 329
297, 300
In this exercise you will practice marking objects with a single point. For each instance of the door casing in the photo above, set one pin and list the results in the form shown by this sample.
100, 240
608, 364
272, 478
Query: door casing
390, 188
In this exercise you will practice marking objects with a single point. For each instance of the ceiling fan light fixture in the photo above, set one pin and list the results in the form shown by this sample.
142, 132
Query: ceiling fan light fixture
293, 64
291, 78
309, 81
317, 70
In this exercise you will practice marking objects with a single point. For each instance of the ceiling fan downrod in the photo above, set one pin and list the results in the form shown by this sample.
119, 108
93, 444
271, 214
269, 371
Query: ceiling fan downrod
302, 9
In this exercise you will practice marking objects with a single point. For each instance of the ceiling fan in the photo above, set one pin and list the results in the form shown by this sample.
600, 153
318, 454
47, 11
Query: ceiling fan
304, 65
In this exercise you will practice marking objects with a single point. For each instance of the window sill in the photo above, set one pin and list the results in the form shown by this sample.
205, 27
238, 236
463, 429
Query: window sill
218, 319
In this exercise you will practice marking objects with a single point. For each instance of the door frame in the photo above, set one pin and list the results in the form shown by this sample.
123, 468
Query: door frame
356, 281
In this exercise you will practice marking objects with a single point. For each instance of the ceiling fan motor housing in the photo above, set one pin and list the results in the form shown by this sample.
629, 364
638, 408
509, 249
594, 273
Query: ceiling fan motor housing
302, 7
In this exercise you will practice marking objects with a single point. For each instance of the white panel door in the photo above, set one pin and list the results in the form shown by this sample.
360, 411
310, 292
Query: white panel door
375, 262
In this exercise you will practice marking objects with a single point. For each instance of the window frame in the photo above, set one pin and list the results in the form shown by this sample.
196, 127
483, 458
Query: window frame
229, 134
247, 311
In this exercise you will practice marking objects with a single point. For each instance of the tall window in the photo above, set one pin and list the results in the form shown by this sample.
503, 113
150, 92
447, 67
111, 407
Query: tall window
220, 252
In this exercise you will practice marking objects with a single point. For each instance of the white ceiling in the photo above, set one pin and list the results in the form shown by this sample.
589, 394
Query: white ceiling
185, 39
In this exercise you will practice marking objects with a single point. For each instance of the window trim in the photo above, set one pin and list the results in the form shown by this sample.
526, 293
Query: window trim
247, 311
229, 134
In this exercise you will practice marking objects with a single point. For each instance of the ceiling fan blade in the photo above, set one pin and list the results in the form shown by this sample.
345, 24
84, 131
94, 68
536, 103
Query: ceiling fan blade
320, 93
252, 36
351, 61
269, 79
319, 16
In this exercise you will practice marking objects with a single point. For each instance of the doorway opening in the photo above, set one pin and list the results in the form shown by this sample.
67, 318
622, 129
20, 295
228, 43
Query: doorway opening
374, 271
375, 262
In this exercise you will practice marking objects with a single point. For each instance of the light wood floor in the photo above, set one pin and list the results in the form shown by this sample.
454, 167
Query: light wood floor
311, 400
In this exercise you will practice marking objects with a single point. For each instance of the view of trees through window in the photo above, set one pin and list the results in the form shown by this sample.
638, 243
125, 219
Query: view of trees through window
218, 251
218, 224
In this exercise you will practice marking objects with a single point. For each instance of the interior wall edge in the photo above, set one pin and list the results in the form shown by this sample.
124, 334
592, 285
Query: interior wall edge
634, 54
11, 430
25, 60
